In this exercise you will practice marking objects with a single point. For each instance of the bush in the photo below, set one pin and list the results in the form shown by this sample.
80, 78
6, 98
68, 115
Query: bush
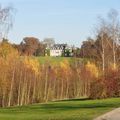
107, 86
97, 89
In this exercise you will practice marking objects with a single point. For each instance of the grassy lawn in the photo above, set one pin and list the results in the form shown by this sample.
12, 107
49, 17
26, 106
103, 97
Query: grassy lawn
56, 60
78, 109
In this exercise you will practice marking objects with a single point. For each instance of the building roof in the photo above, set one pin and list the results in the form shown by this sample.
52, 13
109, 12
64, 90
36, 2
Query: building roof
58, 46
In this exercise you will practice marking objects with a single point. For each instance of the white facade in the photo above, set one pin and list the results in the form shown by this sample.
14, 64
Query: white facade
60, 50
56, 53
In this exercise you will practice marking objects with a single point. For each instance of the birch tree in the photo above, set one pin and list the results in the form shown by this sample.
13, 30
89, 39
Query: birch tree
108, 33
6, 21
114, 31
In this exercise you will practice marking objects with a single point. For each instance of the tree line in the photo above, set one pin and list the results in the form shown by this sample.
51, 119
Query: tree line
24, 80
105, 47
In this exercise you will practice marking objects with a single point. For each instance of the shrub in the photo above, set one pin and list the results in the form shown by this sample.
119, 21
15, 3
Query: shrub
107, 86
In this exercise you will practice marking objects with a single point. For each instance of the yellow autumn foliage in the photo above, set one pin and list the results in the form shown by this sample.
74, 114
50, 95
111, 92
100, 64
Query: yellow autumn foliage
113, 67
92, 68
32, 64
65, 65
7, 51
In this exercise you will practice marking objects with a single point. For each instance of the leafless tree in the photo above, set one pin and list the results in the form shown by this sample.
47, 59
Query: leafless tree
114, 31
108, 31
6, 20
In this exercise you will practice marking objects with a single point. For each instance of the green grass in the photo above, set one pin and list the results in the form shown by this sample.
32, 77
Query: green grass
56, 60
77, 109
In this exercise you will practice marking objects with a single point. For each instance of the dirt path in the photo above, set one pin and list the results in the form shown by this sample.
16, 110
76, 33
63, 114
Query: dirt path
113, 115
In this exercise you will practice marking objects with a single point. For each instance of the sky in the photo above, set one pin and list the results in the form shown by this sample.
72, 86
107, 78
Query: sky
67, 21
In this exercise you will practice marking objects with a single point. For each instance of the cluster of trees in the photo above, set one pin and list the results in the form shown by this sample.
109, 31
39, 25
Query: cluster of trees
31, 46
105, 48
104, 51
23, 80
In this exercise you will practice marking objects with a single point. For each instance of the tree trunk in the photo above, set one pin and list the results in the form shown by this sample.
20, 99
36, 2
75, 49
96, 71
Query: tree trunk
11, 89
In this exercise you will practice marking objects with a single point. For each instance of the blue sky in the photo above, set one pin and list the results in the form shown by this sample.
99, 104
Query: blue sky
68, 21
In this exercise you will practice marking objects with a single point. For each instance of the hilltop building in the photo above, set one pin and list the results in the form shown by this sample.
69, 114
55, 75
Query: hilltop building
59, 50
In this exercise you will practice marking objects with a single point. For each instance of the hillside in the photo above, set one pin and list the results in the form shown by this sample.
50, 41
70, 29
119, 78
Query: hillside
56, 60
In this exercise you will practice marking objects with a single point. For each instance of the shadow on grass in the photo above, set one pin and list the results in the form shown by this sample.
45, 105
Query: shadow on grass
70, 107
79, 99
53, 107
65, 105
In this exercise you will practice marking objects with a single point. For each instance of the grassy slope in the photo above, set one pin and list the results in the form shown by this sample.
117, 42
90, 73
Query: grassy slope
63, 110
56, 60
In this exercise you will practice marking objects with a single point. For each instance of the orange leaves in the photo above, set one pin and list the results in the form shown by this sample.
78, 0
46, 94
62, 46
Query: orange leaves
8, 56
92, 68
65, 65
32, 64
7, 51
113, 67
